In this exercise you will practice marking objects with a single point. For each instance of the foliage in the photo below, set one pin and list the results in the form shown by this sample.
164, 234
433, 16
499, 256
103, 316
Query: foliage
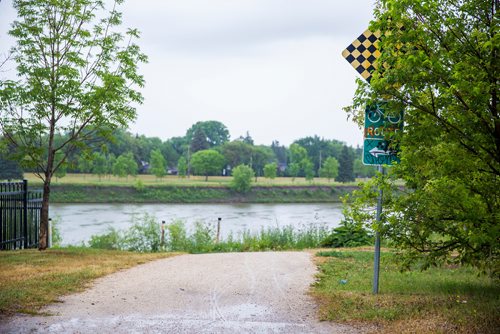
85, 163
348, 234
242, 178
125, 165
199, 141
77, 76
293, 170
100, 164
157, 163
202, 239
143, 236
308, 168
112, 239
261, 156
441, 67
216, 132
237, 153
55, 233
346, 164
270, 170
207, 162
297, 153
330, 168
182, 167
318, 149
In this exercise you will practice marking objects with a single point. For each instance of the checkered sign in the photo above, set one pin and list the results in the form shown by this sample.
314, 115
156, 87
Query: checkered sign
363, 53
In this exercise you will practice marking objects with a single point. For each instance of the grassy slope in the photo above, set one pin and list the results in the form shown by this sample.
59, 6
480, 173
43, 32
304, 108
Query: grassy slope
81, 188
439, 300
31, 279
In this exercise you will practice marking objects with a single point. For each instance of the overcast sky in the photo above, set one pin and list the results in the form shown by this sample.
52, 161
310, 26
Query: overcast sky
270, 67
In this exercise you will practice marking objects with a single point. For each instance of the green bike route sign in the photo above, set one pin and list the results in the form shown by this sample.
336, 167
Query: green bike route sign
377, 148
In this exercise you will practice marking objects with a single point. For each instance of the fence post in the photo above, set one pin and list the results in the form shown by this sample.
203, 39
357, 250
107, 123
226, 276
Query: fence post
25, 213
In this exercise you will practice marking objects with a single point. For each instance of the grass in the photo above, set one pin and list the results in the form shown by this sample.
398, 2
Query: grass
170, 180
144, 236
439, 300
30, 279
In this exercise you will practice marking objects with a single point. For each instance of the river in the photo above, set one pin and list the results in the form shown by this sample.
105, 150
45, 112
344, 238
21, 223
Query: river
78, 222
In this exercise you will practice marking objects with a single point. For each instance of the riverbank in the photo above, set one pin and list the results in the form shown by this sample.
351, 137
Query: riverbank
79, 193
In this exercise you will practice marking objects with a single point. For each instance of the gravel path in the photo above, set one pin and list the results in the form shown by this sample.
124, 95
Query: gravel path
211, 293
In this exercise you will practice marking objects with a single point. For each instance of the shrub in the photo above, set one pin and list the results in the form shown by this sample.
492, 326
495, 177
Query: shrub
349, 234
242, 178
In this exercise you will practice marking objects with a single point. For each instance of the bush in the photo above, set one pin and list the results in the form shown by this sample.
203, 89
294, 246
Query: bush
242, 178
143, 236
111, 240
349, 234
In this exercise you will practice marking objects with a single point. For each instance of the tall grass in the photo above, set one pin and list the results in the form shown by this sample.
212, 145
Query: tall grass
145, 236
449, 299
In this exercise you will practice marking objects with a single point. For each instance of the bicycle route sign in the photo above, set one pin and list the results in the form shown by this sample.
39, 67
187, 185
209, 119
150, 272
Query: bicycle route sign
378, 149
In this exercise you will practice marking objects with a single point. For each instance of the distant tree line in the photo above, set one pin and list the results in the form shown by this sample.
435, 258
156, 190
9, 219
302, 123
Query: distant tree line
206, 150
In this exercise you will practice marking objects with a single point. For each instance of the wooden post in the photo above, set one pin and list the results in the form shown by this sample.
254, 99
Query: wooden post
162, 243
218, 230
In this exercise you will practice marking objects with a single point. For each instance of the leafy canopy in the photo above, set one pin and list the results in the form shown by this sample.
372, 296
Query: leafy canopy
207, 162
76, 76
440, 65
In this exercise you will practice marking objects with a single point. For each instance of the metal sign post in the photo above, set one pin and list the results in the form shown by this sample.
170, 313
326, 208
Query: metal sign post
376, 265
362, 54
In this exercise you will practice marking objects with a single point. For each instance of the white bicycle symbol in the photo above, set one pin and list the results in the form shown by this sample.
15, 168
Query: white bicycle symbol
375, 115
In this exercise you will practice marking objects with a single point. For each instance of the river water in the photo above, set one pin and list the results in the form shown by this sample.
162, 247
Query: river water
78, 222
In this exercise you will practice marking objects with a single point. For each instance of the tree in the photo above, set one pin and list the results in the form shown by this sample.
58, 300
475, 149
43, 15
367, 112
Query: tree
297, 153
85, 164
261, 155
199, 141
346, 165
308, 168
216, 132
158, 163
207, 162
237, 153
76, 75
441, 67
330, 168
125, 165
361, 170
293, 170
270, 170
242, 178
182, 167
100, 164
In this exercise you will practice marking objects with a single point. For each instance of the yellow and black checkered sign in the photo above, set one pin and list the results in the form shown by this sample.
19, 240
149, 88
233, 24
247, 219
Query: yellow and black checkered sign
363, 53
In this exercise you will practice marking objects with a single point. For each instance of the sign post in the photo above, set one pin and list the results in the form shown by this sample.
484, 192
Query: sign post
362, 54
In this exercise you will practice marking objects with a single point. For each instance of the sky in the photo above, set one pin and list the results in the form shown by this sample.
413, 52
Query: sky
270, 67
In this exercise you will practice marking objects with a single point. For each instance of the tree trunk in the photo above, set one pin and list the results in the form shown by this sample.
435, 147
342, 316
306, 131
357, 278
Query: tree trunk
44, 217
206, 178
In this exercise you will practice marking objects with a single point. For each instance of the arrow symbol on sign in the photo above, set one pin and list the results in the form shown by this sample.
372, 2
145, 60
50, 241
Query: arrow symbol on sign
377, 151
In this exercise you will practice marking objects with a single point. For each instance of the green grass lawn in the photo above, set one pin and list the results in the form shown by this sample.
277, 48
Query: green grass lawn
439, 300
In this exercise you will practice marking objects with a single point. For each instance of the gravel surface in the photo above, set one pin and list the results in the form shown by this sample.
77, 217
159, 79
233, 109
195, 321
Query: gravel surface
211, 293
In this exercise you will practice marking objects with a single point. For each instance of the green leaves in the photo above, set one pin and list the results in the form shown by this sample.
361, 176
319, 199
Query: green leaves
442, 69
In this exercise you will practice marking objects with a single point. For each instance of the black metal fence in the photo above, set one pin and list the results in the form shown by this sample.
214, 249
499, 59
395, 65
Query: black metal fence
20, 211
